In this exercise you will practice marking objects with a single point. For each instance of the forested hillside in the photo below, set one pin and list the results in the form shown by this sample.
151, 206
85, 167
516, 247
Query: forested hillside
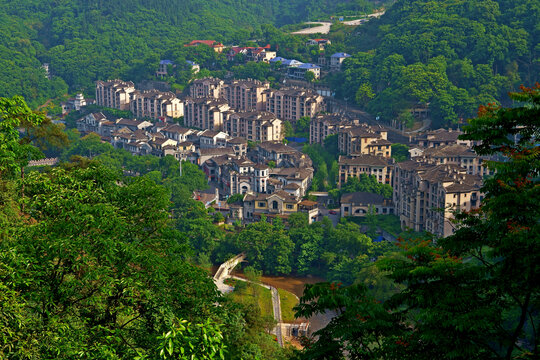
454, 55
86, 40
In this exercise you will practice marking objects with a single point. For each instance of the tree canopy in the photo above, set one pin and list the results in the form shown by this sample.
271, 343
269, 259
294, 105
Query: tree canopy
474, 294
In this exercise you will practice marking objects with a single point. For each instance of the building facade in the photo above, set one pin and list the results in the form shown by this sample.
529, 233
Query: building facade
155, 104
246, 95
207, 88
364, 139
254, 126
353, 166
293, 103
205, 113
114, 93
426, 195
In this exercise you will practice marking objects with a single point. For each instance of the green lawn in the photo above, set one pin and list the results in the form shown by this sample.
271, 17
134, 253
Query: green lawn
288, 301
247, 293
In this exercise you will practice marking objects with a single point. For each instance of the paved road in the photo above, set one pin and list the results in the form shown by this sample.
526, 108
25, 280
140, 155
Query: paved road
276, 304
324, 28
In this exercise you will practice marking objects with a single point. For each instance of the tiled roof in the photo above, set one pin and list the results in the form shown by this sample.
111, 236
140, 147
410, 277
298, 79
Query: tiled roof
362, 198
363, 160
341, 55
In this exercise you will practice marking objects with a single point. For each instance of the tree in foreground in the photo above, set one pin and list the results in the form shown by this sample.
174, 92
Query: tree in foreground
91, 266
472, 295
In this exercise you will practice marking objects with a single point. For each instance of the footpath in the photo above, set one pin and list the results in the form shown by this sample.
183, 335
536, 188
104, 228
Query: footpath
224, 272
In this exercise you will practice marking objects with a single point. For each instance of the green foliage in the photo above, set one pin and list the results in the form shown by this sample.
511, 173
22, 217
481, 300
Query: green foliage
473, 294
189, 341
235, 198
325, 163
91, 265
14, 152
302, 124
453, 57
268, 247
400, 152
366, 183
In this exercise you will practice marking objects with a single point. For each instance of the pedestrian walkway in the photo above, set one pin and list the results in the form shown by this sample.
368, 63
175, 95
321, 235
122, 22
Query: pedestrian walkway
224, 272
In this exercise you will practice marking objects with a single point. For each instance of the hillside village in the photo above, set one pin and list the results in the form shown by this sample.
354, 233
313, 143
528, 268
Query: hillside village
234, 131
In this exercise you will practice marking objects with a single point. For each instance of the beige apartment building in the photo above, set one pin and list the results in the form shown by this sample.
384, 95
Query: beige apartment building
293, 103
205, 113
254, 125
425, 195
207, 88
324, 125
114, 93
155, 104
441, 137
354, 166
455, 154
364, 139
246, 95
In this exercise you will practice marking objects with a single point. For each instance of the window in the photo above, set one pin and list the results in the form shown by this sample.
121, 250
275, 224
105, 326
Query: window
261, 204
290, 207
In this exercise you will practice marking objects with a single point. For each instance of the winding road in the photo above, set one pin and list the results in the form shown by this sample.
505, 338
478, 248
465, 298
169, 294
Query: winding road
224, 272
324, 26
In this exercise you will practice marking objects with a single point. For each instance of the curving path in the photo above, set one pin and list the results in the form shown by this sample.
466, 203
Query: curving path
224, 272
324, 28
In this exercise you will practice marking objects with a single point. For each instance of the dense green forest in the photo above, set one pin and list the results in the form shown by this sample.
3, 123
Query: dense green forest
88, 40
94, 262
454, 55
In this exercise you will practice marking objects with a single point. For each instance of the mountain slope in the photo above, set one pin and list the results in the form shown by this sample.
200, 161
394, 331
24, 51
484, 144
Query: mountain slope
453, 54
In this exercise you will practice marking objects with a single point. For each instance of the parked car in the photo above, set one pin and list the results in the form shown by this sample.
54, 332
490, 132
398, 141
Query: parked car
332, 212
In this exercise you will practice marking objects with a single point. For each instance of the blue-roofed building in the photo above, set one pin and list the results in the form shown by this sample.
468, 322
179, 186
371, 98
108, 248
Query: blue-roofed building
299, 72
277, 58
163, 66
337, 59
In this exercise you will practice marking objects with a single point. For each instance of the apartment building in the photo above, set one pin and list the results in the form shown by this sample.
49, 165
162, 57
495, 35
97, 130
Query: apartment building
337, 59
155, 104
425, 195
163, 68
114, 93
455, 154
324, 125
353, 166
246, 95
440, 137
207, 88
364, 139
293, 103
299, 72
254, 126
282, 155
205, 113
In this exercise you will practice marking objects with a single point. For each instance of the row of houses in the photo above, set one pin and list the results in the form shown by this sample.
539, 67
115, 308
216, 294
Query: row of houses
153, 104
250, 95
268, 168
212, 101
